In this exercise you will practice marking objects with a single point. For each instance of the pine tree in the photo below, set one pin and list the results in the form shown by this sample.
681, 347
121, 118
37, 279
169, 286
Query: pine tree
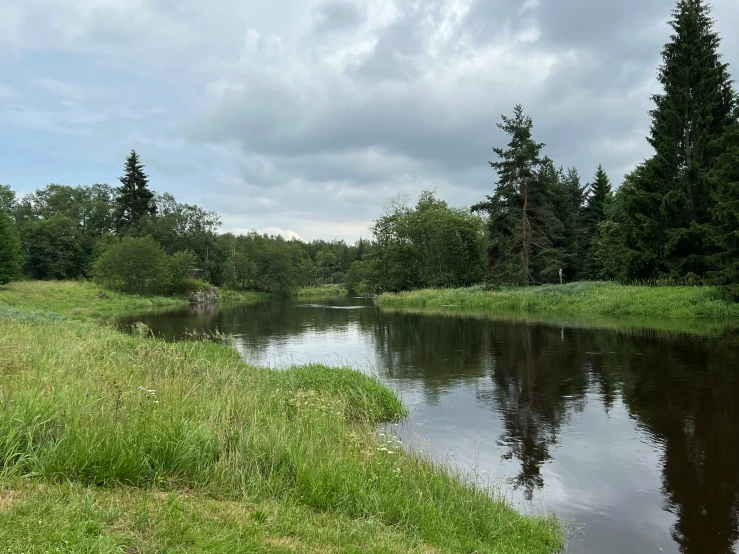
134, 199
513, 238
10, 249
671, 200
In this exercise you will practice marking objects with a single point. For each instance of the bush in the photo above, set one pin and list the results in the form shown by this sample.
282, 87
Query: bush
191, 286
134, 265
338, 278
180, 264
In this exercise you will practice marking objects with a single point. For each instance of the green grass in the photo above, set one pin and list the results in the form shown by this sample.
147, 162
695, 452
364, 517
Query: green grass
321, 291
603, 299
77, 300
245, 296
229, 296
73, 518
116, 443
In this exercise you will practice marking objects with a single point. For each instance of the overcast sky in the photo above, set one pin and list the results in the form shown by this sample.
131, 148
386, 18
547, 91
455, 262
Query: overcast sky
305, 116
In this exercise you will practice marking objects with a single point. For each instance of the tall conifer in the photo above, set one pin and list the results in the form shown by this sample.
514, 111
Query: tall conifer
725, 177
134, 199
512, 210
671, 201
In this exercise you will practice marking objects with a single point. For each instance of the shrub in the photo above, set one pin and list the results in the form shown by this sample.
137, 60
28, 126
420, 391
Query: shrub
135, 265
180, 264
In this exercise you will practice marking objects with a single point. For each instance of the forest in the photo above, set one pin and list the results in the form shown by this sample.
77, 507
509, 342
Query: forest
673, 220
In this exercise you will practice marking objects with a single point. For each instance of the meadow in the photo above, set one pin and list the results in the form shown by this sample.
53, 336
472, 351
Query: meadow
119, 443
603, 299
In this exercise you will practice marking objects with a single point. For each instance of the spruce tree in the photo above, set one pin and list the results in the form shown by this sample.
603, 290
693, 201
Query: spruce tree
513, 238
593, 214
725, 176
598, 194
134, 199
671, 201
10, 249
567, 234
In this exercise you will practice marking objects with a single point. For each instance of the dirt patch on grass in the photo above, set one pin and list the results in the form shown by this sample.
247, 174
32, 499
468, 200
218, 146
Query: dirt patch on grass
294, 545
8, 499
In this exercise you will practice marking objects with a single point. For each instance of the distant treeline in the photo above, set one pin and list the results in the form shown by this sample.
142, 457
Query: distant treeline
135, 240
674, 219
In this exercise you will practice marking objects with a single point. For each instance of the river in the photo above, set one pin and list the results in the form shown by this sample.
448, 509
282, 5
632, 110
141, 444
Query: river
631, 435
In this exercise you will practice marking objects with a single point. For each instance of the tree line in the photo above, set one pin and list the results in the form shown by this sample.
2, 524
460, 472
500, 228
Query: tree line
136, 240
674, 219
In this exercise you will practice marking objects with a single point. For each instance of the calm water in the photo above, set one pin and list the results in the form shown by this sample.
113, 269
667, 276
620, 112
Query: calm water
631, 435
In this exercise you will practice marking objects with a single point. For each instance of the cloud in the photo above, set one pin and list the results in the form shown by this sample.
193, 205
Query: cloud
338, 16
306, 115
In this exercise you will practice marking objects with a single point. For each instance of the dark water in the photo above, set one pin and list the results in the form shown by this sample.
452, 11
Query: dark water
632, 435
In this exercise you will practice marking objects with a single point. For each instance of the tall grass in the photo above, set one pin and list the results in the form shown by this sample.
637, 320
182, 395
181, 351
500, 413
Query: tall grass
230, 296
78, 299
320, 291
577, 298
84, 404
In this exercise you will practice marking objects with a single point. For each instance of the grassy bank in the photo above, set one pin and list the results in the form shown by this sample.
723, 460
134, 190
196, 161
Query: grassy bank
321, 291
605, 299
78, 300
114, 443
246, 296
228, 296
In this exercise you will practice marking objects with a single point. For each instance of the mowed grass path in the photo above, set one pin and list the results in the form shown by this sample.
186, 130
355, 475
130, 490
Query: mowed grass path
114, 443
606, 299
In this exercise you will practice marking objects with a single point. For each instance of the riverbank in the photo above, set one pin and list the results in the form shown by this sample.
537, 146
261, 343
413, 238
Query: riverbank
320, 291
120, 443
230, 296
602, 299
78, 300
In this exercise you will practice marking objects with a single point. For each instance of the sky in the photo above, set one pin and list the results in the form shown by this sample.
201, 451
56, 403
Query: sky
304, 117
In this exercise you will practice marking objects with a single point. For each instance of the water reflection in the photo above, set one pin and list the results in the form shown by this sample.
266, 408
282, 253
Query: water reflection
634, 433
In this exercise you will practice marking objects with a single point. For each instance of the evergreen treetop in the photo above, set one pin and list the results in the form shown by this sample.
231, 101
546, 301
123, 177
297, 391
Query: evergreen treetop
599, 191
670, 202
134, 199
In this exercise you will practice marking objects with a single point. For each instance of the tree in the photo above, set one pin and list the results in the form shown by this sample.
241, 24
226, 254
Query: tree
54, 248
134, 265
10, 249
566, 229
134, 199
670, 201
514, 242
599, 195
7, 199
725, 176
327, 262
431, 245
180, 265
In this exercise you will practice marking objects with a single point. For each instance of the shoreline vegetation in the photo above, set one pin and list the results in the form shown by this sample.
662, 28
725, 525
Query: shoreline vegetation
118, 443
84, 300
575, 299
